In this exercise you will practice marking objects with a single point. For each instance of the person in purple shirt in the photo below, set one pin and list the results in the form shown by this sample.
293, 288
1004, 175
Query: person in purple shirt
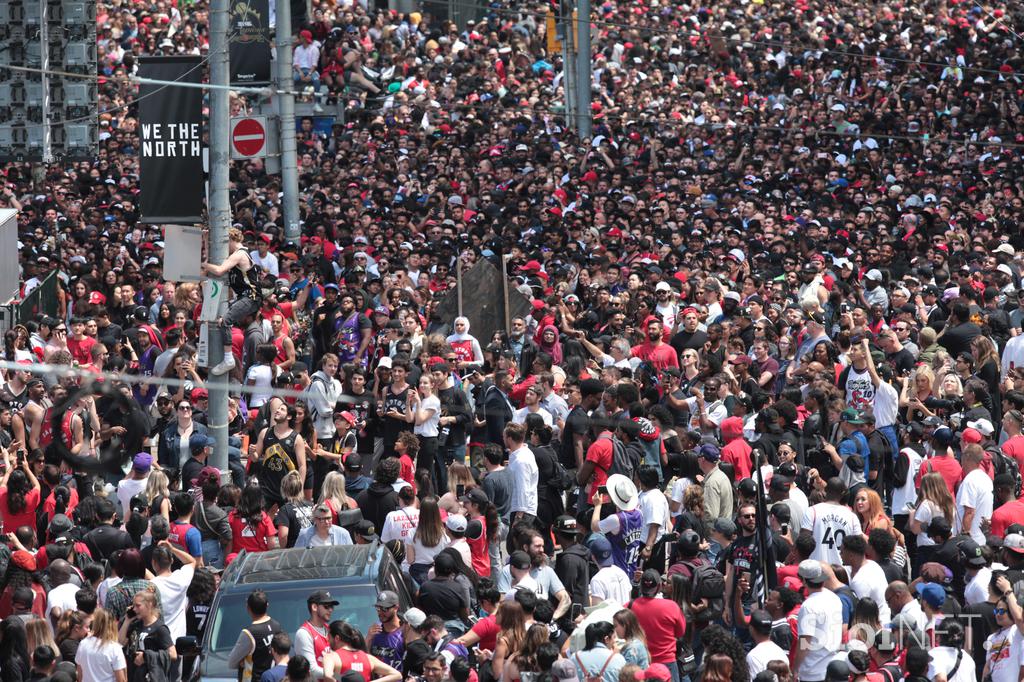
386, 640
625, 528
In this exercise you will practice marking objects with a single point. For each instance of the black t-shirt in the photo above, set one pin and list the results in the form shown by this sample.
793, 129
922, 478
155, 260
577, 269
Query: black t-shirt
154, 637
190, 470
577, 423
391, 427
443, 598
683, 339
297, 517
104, 540
416, 653
744, 555
902, 360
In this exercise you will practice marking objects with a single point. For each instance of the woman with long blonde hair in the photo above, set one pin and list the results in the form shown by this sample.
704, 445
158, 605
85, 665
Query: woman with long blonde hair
100, 657
458, 475
39, 634
158, 494
986, 363
934, 501
333, 494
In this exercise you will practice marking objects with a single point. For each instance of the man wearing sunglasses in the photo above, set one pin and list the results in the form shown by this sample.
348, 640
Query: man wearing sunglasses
386, 640
311, 640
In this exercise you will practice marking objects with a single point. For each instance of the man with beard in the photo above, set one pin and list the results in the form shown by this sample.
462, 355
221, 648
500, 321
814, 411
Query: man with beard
548, 584
745, 584
522, 346
279, 450
354, 331
655, 351
689, 335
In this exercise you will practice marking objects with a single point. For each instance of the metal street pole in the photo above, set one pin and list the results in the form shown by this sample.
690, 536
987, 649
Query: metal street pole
504, 286
585, 122
286, 114
569, 71
220, 220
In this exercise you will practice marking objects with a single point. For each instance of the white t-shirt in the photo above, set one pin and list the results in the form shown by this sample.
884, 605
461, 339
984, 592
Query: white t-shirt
429, 428
821, 619
62, 597
870, 581
268, 262
976, 591
679, 487
926, 511
424, 554
99, 661
763, 654
519, 416
400, 525
830, 523
128, 488
886, 404
172, 590
654, 507
262, 377
944, 660
1003, 653
975, 492
611, 582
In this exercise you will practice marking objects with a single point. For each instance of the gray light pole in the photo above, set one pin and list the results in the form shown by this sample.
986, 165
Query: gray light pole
219, 212
585, 120
286, 114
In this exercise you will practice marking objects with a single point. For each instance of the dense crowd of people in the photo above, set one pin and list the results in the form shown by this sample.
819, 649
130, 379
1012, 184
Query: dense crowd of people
764, 420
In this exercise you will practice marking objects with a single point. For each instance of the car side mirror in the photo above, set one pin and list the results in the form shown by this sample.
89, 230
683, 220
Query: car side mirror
187, 646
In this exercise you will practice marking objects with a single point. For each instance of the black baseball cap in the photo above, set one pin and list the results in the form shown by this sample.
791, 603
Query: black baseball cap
761, 621
322, 597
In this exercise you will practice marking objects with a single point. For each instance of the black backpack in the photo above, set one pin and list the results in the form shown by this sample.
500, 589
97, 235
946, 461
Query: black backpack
707, 583
1004, 464
622, 462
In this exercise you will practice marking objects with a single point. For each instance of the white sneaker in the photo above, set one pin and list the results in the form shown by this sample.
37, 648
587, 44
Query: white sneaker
317, 109
224, 366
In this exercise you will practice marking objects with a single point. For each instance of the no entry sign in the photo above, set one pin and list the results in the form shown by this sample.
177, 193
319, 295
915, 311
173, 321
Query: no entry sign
249, 137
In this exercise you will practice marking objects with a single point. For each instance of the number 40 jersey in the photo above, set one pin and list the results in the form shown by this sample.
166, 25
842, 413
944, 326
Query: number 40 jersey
830, 523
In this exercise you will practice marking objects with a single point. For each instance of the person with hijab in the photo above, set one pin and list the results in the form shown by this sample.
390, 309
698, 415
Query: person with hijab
550, 344
464, 345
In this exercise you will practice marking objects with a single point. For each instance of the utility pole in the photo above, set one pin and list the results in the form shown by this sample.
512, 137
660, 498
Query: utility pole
286, 114
569, 65
585, 117
219, 212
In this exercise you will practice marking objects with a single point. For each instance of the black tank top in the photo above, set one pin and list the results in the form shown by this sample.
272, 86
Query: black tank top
245, 284
262, 658
278, 460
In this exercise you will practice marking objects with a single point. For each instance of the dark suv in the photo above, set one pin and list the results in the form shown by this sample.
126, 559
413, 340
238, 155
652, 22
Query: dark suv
354, 575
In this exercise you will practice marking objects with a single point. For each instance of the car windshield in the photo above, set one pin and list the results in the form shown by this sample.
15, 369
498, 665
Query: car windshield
288, 607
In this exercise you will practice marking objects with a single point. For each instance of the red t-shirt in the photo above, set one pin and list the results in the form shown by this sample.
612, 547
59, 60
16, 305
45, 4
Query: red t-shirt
947, 467
737, 453
487, 630
27, 517
407, 471
253, 539
1014, 447
1007, 515
50, 505
81, 351
663, 623
601, 453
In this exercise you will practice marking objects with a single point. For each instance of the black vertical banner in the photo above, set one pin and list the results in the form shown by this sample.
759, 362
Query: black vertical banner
171, 141
249, 40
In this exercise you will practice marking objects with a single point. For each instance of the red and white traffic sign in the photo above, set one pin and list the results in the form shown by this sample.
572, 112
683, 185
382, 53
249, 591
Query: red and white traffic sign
249, 137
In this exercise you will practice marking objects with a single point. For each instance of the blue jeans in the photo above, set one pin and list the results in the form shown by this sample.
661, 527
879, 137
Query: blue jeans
213, 553
673, 668
314, 79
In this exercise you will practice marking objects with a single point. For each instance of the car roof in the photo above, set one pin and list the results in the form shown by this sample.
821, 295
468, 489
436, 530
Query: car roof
354, 562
